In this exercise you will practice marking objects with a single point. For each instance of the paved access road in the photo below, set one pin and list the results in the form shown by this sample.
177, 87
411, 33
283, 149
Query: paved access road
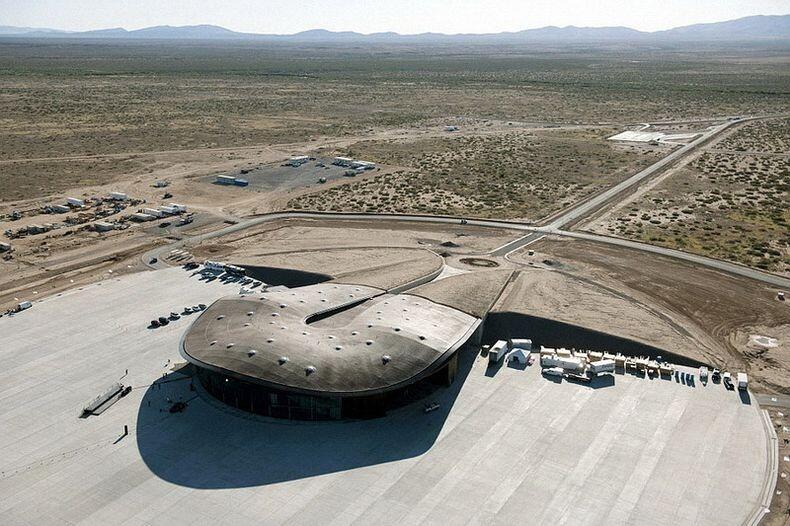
534, 233
599, 200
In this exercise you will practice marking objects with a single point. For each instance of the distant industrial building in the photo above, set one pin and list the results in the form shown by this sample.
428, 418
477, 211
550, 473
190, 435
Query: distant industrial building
103, 226
342, 161
141, 217
152, 212
231, 180
298, 160
363, 165
118, 196
225, 179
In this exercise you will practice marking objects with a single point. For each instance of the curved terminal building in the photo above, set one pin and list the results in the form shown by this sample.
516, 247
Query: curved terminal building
337, 350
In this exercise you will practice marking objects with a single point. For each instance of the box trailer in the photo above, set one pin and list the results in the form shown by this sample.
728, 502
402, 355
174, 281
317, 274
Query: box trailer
521, 343
139, 216
169, 210
225, 179
152, 212
73, 201
743, 382
118, 196
602, 366
564, 362
497, 351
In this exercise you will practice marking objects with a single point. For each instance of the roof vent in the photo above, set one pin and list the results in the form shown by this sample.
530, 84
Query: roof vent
331, 337
282, 360
251, 353
220, 316
310, 369
269, 340
422, 337
354, 333
246, 324
386, 358
213, 342
338, 347
250, 313
230, 345
369, 342
397, 329
283, 305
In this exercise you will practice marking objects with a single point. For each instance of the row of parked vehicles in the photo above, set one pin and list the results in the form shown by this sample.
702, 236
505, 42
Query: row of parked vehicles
726, 378
161, 321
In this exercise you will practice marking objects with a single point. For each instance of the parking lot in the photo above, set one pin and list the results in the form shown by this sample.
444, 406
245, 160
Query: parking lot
505, 446
279, 177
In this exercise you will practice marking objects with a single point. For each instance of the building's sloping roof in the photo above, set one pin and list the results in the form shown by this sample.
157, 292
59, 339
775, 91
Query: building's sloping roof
380, 344
473, 293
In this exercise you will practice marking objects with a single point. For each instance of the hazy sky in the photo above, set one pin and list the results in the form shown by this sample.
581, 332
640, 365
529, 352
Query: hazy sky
366, 16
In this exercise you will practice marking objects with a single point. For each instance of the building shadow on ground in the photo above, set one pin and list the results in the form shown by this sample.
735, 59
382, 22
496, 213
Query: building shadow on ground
211, 446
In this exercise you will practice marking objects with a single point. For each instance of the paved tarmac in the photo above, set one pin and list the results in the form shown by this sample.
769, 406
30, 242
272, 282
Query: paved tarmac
506, 446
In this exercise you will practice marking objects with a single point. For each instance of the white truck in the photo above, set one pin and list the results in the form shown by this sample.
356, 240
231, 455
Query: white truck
743, 382
23, 305
703, 374
553, 371
497, 351
569, 364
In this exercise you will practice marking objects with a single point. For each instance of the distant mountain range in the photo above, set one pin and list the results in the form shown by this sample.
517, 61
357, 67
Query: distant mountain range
749, 28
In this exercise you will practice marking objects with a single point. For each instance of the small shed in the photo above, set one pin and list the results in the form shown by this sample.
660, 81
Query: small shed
519, 355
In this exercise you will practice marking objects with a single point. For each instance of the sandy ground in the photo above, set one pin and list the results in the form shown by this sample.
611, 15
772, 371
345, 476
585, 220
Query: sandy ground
560, 296
598, 222
282, 236
718, 311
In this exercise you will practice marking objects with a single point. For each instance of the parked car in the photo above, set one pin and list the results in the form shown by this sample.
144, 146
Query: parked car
155, 324
163, 320
174, 316
715, 376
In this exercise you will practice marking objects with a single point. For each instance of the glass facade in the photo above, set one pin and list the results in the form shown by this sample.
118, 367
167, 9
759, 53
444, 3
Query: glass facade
277, 403
269, 402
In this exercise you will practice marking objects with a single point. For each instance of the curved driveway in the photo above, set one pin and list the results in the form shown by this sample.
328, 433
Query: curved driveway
534, 233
